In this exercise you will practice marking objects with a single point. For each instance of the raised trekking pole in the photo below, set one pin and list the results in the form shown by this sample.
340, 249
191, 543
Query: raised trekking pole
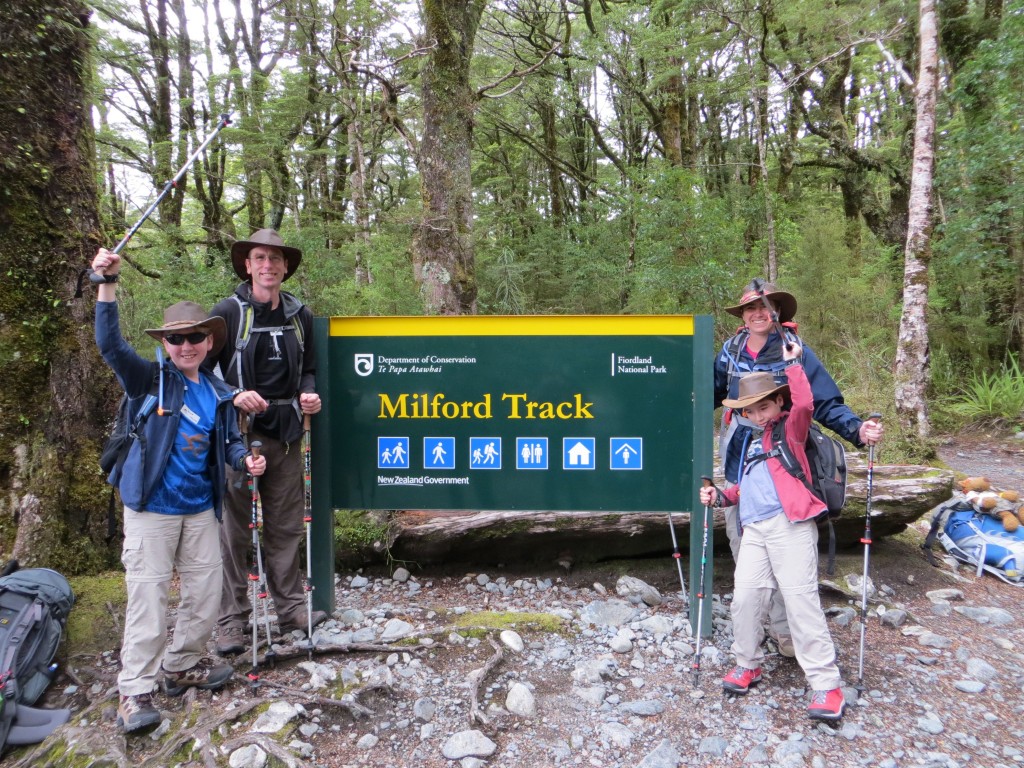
700, 588
307, 518
758, 284
866, 541
225, 121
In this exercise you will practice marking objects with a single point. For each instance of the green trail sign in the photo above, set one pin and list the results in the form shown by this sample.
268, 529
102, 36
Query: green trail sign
578, 413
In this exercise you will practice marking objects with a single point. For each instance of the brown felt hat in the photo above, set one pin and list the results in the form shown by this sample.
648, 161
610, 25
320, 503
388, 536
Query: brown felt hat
269, 237
754, 388
188, 316
786, 302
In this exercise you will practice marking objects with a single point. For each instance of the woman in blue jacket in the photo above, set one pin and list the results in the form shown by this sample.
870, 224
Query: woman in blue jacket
172, 485
757, 346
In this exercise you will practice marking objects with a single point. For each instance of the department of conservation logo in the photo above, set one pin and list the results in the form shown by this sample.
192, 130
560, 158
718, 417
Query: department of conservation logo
363, 362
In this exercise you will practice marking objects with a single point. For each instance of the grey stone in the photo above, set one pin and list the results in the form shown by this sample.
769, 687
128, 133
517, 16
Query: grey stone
616, 734
994, 616
632, 587
520, 701
930, 723
468, 744
249, 756
662, 756
423, 709
367, 741
757, 756
277, 716
396, 629
512, 640
358, 582
643, 707
894, 618
932, 640
969, 686
608, 613
657, 625
592, 695
937, 595
712, 745
401, 575
981, 670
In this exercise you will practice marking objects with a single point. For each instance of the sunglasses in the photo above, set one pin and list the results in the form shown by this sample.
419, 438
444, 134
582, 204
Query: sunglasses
177, 339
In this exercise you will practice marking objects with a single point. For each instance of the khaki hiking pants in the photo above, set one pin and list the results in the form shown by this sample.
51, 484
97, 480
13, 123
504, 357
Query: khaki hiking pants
155, 545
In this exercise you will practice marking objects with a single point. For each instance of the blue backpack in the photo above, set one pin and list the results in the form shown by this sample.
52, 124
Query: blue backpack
978, 539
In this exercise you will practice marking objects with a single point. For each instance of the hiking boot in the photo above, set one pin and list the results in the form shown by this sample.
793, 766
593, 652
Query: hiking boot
827, 705
206, 675
785, 645
740, 679
319, 617
136, 712
230, 641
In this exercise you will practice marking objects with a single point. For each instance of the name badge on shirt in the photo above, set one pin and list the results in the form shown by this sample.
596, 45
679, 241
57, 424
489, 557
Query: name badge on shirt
189, 414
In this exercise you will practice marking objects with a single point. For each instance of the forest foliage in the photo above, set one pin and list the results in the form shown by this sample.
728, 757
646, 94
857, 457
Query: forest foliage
624, 157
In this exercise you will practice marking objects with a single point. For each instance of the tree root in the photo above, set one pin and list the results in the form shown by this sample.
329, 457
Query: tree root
476, 680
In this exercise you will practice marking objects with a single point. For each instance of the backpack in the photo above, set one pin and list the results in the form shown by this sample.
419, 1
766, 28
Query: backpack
977, 539
125, 431
34, 607
246, 327
826, 458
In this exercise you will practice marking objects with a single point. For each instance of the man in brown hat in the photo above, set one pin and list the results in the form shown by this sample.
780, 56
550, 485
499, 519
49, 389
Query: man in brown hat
779, 547
758, 346
272, 366
171, 483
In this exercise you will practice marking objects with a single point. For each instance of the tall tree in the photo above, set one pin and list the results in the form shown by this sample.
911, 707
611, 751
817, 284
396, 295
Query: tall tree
444, 258
912, 345
52, 383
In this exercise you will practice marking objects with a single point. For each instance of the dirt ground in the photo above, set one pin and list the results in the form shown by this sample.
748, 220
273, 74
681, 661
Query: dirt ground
456, 627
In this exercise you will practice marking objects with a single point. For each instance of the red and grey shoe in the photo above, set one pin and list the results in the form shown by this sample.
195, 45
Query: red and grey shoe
827, 705
740, 679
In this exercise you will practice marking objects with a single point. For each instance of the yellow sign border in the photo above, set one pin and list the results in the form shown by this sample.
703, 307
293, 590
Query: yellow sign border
513, 325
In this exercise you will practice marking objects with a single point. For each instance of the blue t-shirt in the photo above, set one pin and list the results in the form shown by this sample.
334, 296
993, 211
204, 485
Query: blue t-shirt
758, 498
185, 487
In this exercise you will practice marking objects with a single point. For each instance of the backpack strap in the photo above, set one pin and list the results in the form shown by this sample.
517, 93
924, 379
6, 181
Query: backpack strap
938, 519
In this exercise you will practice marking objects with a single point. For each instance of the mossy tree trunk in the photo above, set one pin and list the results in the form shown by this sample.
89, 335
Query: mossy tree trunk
443, 251
55, 392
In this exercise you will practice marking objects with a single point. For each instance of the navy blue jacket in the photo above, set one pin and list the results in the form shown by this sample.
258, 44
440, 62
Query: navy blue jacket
830, 410
148, 456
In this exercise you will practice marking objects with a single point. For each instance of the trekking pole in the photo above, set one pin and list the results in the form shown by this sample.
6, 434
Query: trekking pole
307, 518
254, 673
758, 284
269, 656
700, 589
866, 541
225, 120
677, 556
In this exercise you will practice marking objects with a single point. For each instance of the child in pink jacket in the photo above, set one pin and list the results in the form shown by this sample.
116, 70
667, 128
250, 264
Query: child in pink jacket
779, 544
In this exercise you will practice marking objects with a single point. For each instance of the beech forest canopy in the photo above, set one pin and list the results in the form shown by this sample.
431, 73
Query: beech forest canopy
615, 156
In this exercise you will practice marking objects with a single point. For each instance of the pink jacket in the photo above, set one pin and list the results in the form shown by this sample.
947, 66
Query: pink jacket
798, 503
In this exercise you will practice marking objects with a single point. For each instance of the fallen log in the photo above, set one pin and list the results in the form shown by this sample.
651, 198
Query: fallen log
902, 494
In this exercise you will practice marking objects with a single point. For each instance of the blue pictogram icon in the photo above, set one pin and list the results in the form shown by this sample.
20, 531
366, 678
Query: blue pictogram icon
439, 453
485, 453
578, 453
626, 453
531, 453
392, 453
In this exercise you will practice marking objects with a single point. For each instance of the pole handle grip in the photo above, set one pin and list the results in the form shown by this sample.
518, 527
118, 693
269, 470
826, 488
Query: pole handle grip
255, 447
305, 422
874, 417
707, 482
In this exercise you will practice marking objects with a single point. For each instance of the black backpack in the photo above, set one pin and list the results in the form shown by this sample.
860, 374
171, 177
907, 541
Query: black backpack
34, 607
826, 458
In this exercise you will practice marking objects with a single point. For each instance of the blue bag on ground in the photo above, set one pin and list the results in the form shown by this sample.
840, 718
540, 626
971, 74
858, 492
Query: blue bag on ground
34, 607
978, 539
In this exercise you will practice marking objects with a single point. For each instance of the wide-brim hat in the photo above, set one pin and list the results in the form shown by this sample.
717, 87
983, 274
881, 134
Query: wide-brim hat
755, 387
269, 237
188, 316
786, 302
